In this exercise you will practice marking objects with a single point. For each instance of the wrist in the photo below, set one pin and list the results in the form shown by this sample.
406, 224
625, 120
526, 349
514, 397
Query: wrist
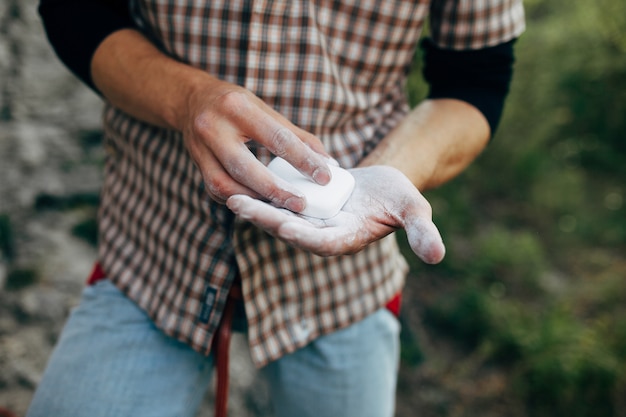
188, 90
434, 143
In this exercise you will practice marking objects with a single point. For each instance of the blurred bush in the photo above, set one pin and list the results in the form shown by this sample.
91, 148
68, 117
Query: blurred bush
536, 228
7, 243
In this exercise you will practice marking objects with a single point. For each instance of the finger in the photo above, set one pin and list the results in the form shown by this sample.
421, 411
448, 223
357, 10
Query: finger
312, 239
422, 234
281, 139
325, 241
308, 138
425, 240
218, 181
229, 168
245, 168
265, 216
293, 229
311, 140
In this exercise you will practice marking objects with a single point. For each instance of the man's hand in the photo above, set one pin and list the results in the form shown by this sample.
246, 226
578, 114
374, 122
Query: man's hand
218, 122
383, 200
216, 118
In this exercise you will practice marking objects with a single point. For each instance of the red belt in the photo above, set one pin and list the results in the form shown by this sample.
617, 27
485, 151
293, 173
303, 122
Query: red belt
221, 339
6, 413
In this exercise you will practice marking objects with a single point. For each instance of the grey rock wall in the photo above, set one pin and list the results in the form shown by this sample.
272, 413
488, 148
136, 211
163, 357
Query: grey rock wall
50, 161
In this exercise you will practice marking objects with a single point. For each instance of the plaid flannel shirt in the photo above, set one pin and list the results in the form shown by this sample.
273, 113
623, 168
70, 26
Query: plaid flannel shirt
335, 68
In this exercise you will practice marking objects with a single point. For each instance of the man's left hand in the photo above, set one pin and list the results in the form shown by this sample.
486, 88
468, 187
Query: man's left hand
383, 201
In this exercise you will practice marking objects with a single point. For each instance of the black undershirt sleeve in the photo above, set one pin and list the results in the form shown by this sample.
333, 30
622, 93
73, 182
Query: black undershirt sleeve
75, 28
480, 77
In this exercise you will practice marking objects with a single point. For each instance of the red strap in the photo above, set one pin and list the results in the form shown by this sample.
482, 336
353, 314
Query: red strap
97, 274
221, 346
6, 413
394, 304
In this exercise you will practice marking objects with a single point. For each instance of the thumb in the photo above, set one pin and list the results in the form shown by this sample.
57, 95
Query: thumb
425, 240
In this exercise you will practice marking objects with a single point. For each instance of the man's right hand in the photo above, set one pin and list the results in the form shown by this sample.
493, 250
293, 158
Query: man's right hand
216, 118
218, 122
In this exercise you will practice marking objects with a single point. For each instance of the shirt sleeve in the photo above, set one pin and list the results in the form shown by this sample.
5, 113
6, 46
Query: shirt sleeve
469, 55
75, 29
480, 77
475, 24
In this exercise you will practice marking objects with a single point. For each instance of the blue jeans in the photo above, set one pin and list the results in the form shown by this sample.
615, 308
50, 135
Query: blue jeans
112, 361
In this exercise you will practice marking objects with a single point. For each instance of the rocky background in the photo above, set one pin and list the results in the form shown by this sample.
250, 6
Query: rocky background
50, 160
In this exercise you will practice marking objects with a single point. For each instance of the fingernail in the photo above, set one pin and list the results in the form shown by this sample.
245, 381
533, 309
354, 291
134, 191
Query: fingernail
332, 161
321, 176
232, 203
287, 234
296, 204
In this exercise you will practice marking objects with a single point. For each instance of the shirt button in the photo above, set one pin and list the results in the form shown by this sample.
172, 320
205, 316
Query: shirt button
301, 330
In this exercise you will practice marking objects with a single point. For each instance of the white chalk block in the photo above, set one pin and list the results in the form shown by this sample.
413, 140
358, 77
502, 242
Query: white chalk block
322, 201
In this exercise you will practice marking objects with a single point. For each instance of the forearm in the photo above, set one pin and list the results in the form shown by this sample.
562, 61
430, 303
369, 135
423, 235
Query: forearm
434, 143
132, 74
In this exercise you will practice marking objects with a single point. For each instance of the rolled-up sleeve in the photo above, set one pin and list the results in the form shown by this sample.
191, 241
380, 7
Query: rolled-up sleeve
475, 24
75, 29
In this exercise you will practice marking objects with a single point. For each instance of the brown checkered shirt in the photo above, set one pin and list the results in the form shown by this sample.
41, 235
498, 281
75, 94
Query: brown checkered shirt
335, 68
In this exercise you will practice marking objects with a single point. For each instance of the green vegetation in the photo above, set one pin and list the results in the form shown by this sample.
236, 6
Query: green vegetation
7, 243
535, 276
45, 201
87, 230
19, 278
